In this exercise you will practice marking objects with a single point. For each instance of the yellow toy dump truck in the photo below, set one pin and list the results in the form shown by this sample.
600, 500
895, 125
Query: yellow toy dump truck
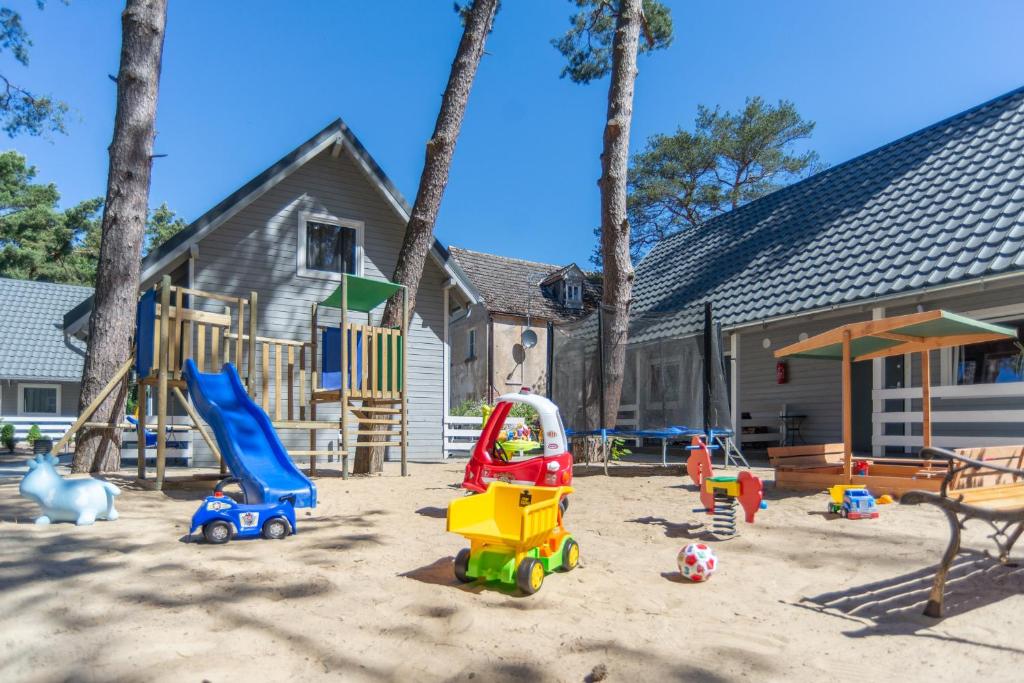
515, 533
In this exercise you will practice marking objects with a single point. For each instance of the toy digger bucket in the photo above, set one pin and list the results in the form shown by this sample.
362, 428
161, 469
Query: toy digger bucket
520, 517
836, 492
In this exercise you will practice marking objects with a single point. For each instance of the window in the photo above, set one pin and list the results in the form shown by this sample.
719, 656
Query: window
992, 362
328, 246
38, 399
471, 345
573, 294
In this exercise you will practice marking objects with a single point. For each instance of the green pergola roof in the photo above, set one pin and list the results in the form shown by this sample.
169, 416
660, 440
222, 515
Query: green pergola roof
898, 335
363, 294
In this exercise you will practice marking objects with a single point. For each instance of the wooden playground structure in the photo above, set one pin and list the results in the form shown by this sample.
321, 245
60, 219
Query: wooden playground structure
821, 466
364, 373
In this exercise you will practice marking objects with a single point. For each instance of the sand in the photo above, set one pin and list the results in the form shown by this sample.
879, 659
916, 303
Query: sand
365, 592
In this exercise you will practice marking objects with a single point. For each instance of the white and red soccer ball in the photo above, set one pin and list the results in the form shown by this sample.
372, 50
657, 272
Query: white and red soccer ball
697, 562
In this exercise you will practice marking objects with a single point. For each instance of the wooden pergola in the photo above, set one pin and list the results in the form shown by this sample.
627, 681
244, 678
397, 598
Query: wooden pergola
915, 333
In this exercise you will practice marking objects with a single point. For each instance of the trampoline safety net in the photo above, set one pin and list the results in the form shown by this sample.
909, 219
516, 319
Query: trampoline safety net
664, 375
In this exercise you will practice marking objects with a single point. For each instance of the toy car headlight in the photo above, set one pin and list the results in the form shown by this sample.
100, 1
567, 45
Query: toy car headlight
552, 466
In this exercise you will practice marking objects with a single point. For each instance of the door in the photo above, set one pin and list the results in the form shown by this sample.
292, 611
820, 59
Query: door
861, 413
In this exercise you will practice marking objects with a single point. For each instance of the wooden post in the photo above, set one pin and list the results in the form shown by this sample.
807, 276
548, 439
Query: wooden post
405, 374
240, 329
278, 348
926, 398
847, 409
291, 382
250, 381
344, 374
161, 391
175, 350
265, 380
313, 345
140, 429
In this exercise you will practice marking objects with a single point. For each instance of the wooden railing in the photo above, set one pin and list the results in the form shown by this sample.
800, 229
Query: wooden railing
374, 368
1011, 392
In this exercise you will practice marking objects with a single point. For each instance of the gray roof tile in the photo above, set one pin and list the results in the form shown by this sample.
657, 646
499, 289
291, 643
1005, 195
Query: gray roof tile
513, 286
936, 207
32, 341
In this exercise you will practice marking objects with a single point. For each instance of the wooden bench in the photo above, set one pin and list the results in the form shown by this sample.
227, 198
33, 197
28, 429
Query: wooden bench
810, 457
980, 483
764, 429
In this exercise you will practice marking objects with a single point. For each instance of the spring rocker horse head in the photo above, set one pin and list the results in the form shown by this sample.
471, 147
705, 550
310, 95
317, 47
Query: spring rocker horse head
81, 501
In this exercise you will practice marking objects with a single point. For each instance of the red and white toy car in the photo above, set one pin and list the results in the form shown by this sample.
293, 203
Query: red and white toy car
553, 467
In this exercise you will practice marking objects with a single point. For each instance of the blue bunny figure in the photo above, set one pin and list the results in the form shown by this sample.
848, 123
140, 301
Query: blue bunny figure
81, 501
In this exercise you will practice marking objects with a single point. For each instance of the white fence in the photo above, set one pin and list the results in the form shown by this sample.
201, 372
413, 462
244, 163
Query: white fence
52, 427
461, 433
1011, 392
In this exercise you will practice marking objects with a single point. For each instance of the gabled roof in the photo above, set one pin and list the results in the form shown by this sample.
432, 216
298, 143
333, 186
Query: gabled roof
940, 207
335, 133
32, 342
519, 287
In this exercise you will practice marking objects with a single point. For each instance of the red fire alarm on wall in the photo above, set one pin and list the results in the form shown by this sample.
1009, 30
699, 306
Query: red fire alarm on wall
781, 372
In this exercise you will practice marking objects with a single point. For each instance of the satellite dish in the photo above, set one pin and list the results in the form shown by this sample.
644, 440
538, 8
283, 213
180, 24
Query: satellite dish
529, 339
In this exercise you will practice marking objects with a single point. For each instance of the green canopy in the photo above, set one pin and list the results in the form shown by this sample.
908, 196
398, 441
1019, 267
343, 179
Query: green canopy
898, 335
363, 294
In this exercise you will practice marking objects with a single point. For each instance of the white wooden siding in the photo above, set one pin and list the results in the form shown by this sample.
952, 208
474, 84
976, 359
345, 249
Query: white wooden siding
256, 250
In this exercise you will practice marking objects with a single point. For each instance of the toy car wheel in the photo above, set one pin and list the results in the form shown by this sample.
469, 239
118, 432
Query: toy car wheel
462, 566
843, 513
275, 529
570, 555
563, 505
217, 532
530, 575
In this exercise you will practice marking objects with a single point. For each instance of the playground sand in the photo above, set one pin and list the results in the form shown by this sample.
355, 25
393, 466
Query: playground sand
365, 592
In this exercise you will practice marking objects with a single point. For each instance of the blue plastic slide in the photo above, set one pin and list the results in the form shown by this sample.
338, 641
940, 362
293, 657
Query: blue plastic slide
246, 438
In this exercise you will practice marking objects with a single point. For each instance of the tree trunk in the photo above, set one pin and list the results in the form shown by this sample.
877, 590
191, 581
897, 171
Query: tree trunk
618, 267
419, 233
112, 322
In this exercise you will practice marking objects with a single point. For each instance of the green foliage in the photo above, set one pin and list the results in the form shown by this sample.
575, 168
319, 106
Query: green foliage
21, 111
37, 240
131, 402
587, 45
163, 224
617, 448
7, 436
679, 181
34, 434
474, 408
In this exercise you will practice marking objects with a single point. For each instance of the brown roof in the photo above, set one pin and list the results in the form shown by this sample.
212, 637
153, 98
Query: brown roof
513, 286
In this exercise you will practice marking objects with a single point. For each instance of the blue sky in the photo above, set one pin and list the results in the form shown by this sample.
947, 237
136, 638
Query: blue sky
245, 82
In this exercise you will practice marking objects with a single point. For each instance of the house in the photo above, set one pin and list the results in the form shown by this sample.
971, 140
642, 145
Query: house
933, 220
492, 353
40, 366
287, 234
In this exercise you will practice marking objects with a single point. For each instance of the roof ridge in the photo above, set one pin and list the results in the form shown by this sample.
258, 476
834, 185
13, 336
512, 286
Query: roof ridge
553, 266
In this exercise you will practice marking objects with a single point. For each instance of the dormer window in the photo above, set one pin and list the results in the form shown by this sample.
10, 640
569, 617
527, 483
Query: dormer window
573, 295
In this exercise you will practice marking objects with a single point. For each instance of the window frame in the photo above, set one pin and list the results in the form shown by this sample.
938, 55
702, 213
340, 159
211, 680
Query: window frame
300, 253
37, 385
573, 287
993, 314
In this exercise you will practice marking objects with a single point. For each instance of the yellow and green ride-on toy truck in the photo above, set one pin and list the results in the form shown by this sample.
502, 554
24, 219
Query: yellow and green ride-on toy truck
515, 533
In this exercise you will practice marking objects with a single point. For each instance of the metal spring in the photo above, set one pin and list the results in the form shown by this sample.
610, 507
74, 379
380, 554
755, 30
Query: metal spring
723, 521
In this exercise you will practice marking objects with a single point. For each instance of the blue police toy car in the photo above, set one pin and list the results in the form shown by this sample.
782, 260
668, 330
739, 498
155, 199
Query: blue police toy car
222, 518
